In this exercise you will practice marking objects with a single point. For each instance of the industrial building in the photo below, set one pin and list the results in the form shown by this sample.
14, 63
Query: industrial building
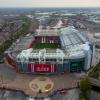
53, 51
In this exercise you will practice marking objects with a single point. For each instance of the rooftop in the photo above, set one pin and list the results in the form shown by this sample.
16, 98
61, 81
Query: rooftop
73, 45
75, 51
70, 36
47, 32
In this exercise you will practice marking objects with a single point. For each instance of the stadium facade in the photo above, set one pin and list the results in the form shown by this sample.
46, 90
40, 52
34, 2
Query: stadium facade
52, 51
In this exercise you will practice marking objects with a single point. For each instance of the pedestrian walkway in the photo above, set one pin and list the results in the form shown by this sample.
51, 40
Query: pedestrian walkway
21, 82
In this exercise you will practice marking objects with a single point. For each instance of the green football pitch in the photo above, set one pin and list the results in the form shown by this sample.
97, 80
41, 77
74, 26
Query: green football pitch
47, 45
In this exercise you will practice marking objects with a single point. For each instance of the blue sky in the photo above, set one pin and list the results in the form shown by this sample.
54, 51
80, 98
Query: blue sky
49, 3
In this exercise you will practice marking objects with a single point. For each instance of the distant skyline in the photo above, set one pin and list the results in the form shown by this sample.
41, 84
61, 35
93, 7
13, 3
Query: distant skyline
49, 3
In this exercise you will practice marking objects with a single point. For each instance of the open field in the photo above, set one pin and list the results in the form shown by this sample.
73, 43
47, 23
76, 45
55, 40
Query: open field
46, 45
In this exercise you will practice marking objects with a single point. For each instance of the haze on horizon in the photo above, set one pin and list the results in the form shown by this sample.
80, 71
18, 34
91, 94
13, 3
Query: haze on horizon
49, 3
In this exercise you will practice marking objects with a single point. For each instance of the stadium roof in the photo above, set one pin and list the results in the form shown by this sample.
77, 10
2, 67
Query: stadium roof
47, 32
70, 36
74, 44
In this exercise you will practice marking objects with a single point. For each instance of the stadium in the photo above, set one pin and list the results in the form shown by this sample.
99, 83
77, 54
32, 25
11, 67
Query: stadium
51, 51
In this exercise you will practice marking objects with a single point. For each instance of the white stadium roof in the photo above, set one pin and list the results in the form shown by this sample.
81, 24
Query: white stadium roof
70, 36
73, 45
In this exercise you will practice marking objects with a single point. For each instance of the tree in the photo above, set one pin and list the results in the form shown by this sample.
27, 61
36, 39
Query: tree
81, 97
95, 73
85, 87
25, 28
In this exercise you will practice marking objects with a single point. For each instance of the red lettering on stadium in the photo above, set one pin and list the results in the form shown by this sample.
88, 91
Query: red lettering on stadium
42, 68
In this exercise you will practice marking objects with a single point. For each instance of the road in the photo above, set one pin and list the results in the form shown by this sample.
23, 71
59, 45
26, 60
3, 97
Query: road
6, 73
11, 95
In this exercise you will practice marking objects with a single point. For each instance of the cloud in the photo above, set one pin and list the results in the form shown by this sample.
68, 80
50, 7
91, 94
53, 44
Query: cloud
50, 3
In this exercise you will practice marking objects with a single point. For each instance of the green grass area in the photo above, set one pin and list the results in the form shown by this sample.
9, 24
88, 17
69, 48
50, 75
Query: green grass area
97, 46
95, 72
85, 89
46, 45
